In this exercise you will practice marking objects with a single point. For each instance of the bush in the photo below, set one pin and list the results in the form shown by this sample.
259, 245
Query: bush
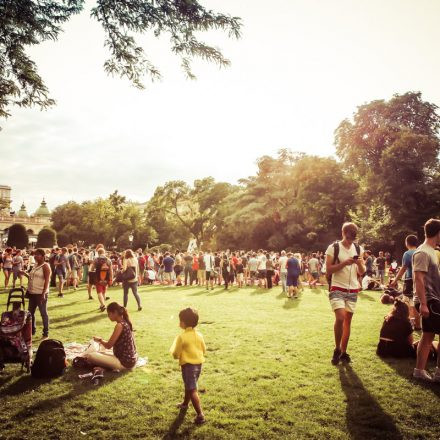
17, 236
47, 238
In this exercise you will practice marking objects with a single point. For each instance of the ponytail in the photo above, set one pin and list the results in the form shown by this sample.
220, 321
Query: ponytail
121, 311
126, 317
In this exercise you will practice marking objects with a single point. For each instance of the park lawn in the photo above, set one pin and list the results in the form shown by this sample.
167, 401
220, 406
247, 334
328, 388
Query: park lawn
267, 375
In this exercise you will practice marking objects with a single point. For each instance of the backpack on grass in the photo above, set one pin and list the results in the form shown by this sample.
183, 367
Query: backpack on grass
336, 259
50, 360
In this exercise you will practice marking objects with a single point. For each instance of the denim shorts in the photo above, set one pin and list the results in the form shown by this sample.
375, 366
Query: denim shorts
190, 375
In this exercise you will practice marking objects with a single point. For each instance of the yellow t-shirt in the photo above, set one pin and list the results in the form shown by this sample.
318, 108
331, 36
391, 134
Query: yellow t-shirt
189, 347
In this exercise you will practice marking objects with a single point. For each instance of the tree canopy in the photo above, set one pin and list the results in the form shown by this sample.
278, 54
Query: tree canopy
17, 236
29, 22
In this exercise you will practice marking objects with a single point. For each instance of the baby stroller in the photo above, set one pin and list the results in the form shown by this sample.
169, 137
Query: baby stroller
16, 332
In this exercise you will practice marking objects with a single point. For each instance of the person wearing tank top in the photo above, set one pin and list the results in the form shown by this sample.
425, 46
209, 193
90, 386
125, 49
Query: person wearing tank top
38, 290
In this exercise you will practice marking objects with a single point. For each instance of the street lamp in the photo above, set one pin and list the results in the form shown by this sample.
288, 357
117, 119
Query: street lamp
130, 239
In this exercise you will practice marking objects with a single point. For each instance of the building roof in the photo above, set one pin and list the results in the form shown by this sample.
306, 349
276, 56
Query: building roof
43, 210
22, 213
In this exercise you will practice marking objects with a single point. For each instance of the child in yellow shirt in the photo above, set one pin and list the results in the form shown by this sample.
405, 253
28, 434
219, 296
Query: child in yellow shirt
189, 347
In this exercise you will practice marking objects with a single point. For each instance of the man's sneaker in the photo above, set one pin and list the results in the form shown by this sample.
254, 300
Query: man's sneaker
345, 358
422, 375
336, 356
436, 377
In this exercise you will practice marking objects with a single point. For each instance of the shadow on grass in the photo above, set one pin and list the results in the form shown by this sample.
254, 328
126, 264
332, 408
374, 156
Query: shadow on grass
364, 416
27, 383
174, 427
291, 303
59, 306
66, 318
97, 317
404, 368
363, 295
260, 291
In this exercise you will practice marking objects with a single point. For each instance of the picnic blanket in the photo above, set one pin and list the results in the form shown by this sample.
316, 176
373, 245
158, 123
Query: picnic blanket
74, 349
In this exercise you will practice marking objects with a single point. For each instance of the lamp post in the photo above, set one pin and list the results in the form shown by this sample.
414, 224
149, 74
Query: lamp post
130, 239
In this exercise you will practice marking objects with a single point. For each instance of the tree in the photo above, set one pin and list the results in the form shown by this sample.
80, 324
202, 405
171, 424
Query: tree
392, 149
17, 236
196, 210
295, 201
30, 22
47, 238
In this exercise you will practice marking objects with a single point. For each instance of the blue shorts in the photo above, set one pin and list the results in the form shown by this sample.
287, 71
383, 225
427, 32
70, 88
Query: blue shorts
292, 280
190, 375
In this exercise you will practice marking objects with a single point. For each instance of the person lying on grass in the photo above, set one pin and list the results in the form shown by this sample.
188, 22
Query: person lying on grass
122, 341
189, 347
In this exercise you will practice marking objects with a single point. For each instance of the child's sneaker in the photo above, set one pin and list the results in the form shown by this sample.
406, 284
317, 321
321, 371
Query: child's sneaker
200, 419
422, 375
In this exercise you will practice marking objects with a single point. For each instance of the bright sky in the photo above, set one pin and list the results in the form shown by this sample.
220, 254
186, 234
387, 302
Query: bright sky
300, 68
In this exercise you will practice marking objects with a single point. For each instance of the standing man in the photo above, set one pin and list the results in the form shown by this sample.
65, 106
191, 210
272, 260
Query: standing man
313, 266
282, 261
344, 263
61, 268
293, 272
427, 297
209, 267
381, 262
408, 287
168, 264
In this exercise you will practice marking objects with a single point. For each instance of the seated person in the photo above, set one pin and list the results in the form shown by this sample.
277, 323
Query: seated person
124, 348
369, 283
396, 338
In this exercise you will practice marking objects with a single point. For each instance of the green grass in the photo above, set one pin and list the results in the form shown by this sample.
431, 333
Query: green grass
267, 375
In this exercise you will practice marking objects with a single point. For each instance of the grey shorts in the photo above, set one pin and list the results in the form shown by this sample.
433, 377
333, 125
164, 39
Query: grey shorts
190, 375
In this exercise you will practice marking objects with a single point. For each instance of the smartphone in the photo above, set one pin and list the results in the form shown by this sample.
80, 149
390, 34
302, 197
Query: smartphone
356, 257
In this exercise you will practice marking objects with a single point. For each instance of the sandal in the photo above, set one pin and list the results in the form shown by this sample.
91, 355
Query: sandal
102, 308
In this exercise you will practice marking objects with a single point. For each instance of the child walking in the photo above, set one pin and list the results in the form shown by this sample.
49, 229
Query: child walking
189, 347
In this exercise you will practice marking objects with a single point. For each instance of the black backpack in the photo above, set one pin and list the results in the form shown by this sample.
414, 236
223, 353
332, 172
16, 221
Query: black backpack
50, 360
336, 259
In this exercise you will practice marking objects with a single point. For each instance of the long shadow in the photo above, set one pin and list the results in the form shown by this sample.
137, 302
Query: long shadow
404, 368
291, 303
259, 291
94, 318
281, 295
364, 416
363, 295
59, 306
174, 427
68, 317
53, 403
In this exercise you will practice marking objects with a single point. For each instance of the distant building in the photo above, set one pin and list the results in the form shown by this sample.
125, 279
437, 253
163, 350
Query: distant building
33, 223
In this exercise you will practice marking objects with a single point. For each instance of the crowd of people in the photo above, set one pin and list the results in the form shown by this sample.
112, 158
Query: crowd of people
347, 268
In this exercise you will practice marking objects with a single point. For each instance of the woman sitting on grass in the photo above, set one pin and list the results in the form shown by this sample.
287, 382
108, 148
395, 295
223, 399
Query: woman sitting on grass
124, 348
396, 339
396, 335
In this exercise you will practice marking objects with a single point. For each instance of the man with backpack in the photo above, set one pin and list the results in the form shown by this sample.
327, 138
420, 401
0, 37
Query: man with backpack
344, 264
75, 264
102, 266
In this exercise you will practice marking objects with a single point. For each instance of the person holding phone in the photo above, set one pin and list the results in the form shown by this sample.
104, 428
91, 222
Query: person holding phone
344, 263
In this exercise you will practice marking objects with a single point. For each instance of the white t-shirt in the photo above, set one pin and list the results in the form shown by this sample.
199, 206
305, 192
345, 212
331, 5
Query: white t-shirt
209, 262
347, 277
283, 264
262, 262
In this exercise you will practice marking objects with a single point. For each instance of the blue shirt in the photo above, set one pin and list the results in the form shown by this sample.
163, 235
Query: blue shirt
407, 262
293, 269
168, 264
